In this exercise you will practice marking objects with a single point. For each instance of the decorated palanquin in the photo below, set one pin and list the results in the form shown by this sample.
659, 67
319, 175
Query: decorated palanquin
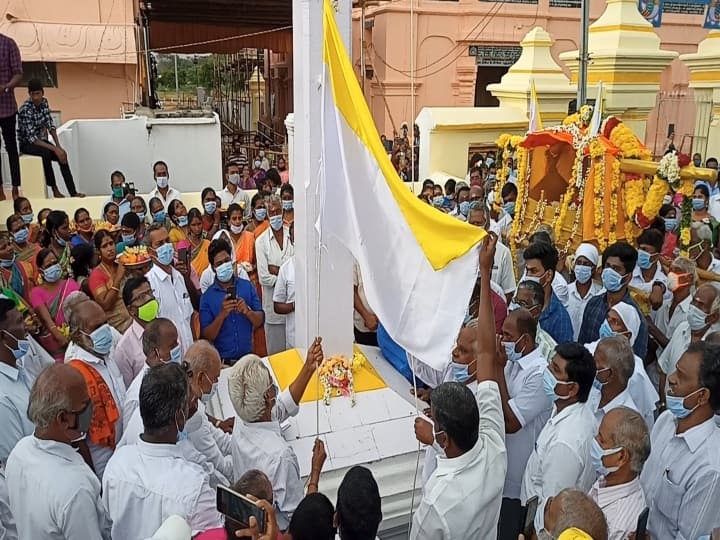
596, 188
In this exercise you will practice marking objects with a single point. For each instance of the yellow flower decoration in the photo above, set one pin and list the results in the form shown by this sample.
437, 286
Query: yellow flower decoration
654, 198
634, 196
571, 119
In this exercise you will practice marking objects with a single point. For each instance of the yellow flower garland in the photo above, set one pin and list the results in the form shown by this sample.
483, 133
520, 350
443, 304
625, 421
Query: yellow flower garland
654, 198
634, 195
614, 203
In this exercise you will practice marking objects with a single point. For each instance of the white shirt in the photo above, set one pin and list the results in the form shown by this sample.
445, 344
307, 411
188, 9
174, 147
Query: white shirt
621, 505
678, 345
268, 252
111, 375
503, 272
462, 498
129, 355
8, 529
638, 281
560, 288
239, 197
174, 300
681, 479
54, 495
144, 484
502, 226
576, 303
172, 194
532, 409
213, 443
36, 359
714, 266
561, 458
285, 293
666, 324
14, 397
623, 399
132, 398
260, 445
358, 321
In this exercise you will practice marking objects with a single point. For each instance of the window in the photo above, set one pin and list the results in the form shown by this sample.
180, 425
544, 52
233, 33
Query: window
45, 71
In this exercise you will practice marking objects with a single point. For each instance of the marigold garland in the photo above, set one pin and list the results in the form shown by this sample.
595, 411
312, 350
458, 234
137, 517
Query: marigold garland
654, 197
614, 204
634, 195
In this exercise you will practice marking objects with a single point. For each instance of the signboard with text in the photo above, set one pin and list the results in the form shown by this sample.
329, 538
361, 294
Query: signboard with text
495, 55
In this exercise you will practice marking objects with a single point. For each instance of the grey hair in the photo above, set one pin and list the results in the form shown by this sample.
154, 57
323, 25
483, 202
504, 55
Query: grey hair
201, 355
631, 432
620, 357
580, 511
715, 307
274, 199
71, 301
256, 483
50, 395
536, 290
152, 335
472, 324
248, 383
702, 230
688, 266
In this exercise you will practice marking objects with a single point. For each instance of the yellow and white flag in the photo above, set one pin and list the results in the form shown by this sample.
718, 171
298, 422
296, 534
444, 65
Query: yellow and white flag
535, 123
418, 264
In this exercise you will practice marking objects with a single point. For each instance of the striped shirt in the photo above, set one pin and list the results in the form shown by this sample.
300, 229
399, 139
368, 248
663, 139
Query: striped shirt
34, 122
621, 505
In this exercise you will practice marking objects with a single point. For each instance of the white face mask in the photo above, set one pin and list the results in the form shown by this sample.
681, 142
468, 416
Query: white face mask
162, 181
234, 179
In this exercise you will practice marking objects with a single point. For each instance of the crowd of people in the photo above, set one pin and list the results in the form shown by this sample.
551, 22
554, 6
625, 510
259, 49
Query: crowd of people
587, 388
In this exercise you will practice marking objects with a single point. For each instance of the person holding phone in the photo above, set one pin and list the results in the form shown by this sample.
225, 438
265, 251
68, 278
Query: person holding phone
230, 309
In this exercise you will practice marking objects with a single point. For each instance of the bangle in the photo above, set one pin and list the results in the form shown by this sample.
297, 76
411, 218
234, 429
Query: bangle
114, 288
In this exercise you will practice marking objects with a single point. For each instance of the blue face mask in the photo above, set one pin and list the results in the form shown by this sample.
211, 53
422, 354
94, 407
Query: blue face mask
159, 217
129, 239
52, 273
101, 339
605, 330
549, 384
612, 280
698, 203
276, 222
165, 254
676, 405
465, 208
141, 216
175, 354
460, 372
224, 272
696, 318
260, 214
206, 397
23, 345
438, 201
210, 207
7, 263
182, 221
510, 350
60, 241
22, 235
28, 218
509, 208
583, 273
287, 205
597, 452
671, 224
644, 260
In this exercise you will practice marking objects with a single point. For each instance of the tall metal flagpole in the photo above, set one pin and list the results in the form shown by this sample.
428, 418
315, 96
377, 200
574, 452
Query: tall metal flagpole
583, 60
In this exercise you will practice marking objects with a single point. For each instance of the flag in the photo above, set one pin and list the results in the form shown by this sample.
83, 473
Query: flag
597, 112
712, 16
535, 119
418, 264
652, 11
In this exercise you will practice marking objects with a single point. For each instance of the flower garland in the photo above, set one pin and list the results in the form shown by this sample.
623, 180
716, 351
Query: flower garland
634, 195
597, 155
523, 194
629, 145
336, 376
685, 221
614, 205
653, 201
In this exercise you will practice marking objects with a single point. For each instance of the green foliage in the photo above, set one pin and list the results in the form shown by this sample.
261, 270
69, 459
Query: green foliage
192, 71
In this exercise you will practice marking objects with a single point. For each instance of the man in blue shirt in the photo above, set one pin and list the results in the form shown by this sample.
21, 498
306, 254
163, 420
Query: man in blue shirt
230, 309
619, 261
541, 260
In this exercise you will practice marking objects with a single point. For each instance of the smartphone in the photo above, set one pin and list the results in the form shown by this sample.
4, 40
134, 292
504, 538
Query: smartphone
182, 255
231, 292
641, 530
530, 511
239, 507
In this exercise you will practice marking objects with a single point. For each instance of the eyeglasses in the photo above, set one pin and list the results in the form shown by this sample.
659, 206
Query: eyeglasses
524, 305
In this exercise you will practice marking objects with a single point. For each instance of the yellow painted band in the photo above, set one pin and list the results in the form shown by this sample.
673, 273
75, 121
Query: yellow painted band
620, 77
704, 76
441, 237
621, 27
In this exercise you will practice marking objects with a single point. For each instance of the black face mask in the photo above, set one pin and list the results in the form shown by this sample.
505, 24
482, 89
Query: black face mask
83, 418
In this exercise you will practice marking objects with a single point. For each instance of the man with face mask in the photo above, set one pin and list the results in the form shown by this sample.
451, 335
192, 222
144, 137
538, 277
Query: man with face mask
162, 189
232, 193
584, 287
703, 318
148, 481
526, 408
681, 478
92, 336
570, 511
561, 457
53, 493
619, 451
700, 249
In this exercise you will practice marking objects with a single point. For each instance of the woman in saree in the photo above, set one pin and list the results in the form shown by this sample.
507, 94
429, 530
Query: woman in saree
258, 223
84, 228
56, 236
198, 243
179, 218
13, 276
111, 214
139, 208
22, 206
47, 300
106, 282
211, 214
25, 251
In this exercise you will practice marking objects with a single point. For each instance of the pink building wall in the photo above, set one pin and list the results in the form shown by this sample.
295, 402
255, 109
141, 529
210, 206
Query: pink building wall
446, 73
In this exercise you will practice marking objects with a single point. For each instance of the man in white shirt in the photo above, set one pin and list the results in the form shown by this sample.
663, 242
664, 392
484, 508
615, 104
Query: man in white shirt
147, 482
232, 193
526, 408
502, 273
358, 511
143, 308
561, 457
620, 449
584, 287
14, 380
257, 441
462, 497
666, 319
284, 299
614, 364
53, 493
700, 249
174, 290
681, 478
570, 509
159, 346
648, 277
162, 189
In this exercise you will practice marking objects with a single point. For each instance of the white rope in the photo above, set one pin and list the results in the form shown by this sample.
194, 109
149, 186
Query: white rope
417, 456
413, 157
